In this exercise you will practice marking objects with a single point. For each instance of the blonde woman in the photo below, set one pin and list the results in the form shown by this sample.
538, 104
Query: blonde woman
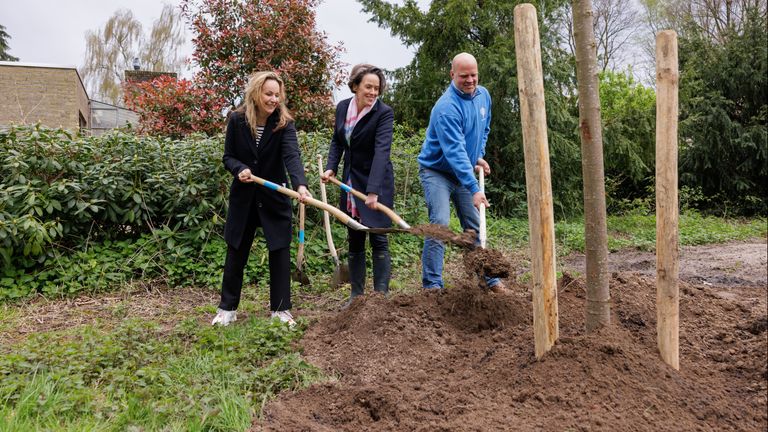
261, 141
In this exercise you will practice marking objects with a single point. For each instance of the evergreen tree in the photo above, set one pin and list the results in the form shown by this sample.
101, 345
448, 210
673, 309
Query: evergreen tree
485, 29
4, 48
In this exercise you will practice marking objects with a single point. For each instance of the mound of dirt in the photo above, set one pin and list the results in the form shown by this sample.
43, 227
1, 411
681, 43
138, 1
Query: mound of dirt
462, 359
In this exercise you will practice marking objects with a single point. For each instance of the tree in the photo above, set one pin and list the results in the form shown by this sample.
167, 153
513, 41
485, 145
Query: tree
4, 48
723, 98
485, 29
174, 108
724, 115
628, 111
110, 51
234, 38
591, 130
614, 25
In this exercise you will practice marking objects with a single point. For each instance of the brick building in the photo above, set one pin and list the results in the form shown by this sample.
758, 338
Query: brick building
52, 95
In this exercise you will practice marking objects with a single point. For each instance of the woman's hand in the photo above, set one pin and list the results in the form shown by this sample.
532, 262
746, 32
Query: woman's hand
303, 193
327, 175
371, 200
245, 176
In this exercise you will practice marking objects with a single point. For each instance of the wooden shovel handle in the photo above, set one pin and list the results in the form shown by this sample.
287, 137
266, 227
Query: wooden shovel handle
326, 218
302, 216
379, 206
338, 214
483, 233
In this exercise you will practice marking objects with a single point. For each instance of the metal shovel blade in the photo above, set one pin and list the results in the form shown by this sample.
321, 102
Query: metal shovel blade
299, 275
340, 274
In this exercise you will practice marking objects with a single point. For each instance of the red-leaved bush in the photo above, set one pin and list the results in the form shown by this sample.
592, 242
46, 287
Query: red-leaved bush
234, 38
175, 108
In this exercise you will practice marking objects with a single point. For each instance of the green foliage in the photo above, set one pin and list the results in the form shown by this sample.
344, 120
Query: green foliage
629, 136
95, 213
4, 48
138, 376
724, 115
56, 188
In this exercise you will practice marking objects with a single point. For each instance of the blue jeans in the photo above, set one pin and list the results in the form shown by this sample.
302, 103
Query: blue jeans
439, 190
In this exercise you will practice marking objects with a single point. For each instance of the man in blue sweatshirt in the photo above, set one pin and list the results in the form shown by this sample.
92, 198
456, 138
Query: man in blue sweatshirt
452, 151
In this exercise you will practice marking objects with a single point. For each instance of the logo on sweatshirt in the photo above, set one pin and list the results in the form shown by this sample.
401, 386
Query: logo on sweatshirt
482, 112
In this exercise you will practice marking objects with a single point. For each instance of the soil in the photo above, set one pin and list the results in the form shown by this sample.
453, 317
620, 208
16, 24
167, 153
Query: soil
462, 359
464, 239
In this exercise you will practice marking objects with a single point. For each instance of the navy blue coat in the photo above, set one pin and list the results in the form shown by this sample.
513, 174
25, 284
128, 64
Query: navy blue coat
268, 159
366, 159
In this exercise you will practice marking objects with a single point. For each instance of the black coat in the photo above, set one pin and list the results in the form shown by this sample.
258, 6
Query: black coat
366, 159
268, 159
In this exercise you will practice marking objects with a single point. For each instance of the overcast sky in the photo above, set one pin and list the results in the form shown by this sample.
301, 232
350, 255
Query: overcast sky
53, 31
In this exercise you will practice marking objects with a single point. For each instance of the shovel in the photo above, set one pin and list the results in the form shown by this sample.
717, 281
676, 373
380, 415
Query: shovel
340, 270
338, 214
299, 274
483, 233
379, 206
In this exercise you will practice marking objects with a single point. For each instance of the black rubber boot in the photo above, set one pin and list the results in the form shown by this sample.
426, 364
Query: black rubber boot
356, 262
382, 271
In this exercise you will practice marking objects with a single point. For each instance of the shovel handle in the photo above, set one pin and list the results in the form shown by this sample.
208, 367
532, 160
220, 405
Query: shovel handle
483, 233
338, 214
326, 218
379, 206
302, 216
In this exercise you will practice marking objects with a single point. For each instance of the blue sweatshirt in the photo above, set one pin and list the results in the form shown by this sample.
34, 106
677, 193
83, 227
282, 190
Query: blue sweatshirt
457, 133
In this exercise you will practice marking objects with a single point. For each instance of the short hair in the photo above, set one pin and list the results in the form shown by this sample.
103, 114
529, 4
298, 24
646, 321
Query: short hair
363, 69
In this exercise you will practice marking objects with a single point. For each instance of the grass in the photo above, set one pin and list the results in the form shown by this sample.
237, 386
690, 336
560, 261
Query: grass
140, 377
639, 231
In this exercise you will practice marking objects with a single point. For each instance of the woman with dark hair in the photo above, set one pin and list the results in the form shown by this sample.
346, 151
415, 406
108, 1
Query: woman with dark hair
363, 137
261, 141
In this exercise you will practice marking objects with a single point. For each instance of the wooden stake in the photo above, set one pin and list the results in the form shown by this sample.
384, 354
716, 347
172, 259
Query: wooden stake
667, 266
541, 220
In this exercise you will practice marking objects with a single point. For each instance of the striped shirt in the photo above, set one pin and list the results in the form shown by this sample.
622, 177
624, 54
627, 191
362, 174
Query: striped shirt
259, 133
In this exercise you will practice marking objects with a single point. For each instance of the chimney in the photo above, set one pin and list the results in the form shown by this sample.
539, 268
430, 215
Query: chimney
136, 65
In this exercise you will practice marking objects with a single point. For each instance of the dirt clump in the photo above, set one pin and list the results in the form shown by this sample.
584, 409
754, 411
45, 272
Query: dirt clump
464, 239
488, 262
462, 359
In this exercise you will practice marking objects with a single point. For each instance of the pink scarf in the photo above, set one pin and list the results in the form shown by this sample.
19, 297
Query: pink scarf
349, 125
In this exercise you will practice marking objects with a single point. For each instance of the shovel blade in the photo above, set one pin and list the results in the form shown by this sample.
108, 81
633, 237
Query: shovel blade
299, 276
340, 275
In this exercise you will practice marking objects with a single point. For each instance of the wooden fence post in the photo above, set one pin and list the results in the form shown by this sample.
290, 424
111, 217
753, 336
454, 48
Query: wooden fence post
667, 266
541, 220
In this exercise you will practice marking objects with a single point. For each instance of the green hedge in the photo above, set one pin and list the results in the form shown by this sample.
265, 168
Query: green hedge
89, 213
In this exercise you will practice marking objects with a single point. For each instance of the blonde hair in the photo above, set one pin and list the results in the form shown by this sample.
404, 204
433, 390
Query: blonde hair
252, 103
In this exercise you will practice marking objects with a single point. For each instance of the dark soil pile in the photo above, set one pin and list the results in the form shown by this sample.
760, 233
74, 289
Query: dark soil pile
462, 360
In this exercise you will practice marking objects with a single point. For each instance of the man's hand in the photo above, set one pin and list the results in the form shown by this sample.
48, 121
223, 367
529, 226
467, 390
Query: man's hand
327, 175
482, 164
479, 199
303, 193
371, 200
245, 176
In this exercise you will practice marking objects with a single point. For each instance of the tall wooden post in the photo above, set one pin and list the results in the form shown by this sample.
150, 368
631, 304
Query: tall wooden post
541, 220
667, 267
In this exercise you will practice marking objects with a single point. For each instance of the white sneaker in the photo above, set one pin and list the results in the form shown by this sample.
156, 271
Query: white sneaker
224, 318
284, 316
